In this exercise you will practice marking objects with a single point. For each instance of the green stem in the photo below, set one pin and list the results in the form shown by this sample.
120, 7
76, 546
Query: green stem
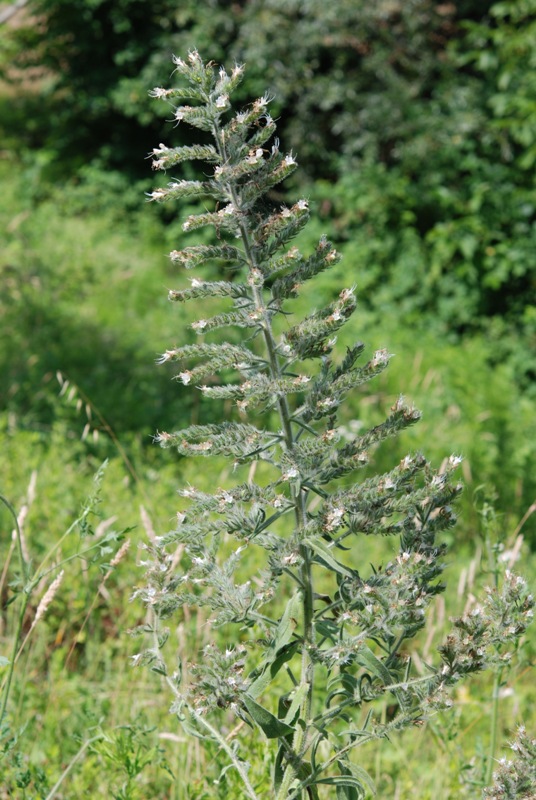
25, 571
492, 561
494, 727
73, 761
298, 494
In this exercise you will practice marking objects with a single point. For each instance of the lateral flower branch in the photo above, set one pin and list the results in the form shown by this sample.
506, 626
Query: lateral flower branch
309, 649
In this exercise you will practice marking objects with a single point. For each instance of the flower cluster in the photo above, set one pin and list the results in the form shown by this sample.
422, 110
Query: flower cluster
515, 778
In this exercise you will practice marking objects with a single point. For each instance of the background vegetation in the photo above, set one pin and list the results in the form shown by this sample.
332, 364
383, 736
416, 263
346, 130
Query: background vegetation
415, 127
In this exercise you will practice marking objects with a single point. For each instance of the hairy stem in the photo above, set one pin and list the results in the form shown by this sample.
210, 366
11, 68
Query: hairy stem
298, 494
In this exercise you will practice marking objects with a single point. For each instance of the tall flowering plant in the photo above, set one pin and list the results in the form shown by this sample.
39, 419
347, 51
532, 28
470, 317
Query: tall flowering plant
307, 649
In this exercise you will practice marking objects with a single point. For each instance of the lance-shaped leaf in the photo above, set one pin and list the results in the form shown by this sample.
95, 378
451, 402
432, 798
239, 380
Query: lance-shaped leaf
324, 555
277, 648
272, 727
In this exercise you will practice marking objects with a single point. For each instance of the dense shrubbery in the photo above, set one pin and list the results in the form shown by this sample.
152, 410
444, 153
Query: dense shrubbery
424, 109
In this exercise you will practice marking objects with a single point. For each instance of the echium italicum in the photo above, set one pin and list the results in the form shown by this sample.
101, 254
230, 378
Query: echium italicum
307, 648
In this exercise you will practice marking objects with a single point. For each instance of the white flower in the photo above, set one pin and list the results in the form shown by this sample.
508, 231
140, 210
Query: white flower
167, 356
291, 473
185, 377
159, 92
289, 160
261, 103
380, 358
200, 325
347, 294
291, 559
334, 519
336, 316
327, 403
255, 156
158, 194
302, 205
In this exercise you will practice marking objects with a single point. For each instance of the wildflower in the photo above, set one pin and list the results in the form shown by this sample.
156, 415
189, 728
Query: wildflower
158, 194
167, 356
290, 474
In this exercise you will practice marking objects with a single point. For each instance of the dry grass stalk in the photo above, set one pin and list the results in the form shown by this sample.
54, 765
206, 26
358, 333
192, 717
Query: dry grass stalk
47, 599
